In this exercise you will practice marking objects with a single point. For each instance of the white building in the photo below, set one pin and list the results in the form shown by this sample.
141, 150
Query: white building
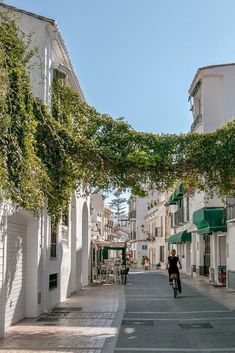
97, 216
138, 233
157, 227
102, 227
40, 266
179, 213
203, 222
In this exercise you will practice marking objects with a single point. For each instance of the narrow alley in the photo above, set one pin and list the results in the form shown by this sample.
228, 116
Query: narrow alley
142, 316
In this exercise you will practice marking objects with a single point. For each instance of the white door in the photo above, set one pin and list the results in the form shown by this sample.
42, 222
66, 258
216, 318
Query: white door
15, 300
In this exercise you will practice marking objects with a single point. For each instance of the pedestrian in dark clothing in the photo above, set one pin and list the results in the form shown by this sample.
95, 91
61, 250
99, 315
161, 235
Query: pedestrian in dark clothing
173, 260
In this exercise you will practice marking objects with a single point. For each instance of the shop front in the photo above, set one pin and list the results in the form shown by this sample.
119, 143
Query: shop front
211, 244
110, 262
182, 242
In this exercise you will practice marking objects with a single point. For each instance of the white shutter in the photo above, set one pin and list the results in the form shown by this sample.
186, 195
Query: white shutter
15, 279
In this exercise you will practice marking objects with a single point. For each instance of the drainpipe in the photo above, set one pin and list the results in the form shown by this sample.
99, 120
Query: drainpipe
52, 36
3, 226
43, 256
44, 217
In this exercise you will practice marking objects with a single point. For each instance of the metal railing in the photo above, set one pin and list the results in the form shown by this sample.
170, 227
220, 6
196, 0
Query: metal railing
197, 121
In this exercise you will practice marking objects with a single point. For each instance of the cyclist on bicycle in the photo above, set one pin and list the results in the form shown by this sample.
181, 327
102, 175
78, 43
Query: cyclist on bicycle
173, 260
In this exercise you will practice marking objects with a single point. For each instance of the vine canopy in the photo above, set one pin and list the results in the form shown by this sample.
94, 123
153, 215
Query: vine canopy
46, 154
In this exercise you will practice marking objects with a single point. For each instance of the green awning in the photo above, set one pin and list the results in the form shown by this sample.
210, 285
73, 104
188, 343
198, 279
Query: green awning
180, 237
177, 194
171, 201
210, 219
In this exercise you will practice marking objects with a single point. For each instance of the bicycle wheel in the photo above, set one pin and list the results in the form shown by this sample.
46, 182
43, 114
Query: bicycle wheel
174, 286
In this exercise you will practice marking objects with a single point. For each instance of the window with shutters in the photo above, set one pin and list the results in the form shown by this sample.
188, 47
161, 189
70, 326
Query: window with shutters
53, 245
53, 279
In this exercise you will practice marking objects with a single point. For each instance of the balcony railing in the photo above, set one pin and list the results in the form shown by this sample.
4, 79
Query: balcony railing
197, 121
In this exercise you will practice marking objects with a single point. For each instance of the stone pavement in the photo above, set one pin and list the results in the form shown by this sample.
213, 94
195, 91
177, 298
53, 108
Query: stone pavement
91, 320
223, 295
201, 319
87, 322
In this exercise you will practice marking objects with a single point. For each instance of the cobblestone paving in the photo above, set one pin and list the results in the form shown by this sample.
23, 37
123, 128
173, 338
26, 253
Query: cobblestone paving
71, 331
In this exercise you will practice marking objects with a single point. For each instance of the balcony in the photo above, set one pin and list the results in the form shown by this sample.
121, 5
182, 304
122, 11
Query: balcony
196, 123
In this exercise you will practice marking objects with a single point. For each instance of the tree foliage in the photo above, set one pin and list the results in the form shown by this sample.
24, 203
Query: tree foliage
45, 154
118, 205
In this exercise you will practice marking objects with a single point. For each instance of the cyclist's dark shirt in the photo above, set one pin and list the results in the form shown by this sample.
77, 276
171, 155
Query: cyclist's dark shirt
172, 261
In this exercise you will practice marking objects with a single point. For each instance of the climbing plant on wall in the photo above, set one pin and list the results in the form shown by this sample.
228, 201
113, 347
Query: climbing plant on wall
45, 154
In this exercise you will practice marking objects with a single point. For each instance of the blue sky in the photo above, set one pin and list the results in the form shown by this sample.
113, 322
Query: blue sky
137, 58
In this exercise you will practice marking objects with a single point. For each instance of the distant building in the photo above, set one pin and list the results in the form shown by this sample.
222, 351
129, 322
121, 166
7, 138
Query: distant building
156, 220
108, 223
139, 245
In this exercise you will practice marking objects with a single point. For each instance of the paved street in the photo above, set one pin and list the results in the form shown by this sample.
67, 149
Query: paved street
201, 319
154, 321
86, 323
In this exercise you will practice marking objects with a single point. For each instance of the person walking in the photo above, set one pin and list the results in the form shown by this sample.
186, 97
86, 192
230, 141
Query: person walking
143, 261
147, 263
173, 262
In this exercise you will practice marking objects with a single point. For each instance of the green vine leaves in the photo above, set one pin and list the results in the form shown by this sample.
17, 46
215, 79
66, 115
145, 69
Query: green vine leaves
22, 170
45, 155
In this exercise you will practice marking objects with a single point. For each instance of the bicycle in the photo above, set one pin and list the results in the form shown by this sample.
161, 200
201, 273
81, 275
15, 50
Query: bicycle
174, 277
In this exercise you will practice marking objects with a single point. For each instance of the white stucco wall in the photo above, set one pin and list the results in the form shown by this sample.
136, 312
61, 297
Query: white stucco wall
141, 210
73, 258
212, 103
231, 254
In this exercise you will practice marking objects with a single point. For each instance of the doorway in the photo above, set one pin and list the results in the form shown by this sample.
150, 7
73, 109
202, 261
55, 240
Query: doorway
207, 254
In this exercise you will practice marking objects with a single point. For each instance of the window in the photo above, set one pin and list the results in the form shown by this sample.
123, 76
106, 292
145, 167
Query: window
161, 228
58, 75
230, 207
53, 242
186, 209
53, 281
173, 221
65, 219
64, 229
166, 225
179, 214
144, 247
161, 253
133, 204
